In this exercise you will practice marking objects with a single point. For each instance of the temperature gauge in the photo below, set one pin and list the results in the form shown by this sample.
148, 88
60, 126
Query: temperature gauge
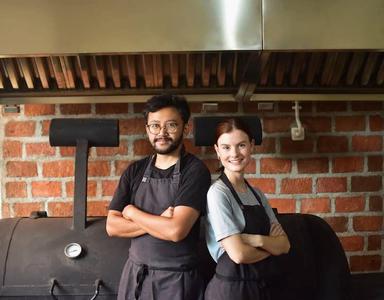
72, 250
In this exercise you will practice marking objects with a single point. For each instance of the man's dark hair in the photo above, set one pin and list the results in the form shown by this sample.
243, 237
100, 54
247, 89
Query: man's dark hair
156, 103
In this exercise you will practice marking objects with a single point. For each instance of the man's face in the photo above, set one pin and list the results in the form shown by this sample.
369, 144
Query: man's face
165, 130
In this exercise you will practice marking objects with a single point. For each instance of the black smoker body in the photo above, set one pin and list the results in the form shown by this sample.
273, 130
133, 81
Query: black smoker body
33, 263
59, 258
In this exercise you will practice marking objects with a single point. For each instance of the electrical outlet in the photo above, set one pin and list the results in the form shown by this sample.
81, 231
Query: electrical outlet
297, 134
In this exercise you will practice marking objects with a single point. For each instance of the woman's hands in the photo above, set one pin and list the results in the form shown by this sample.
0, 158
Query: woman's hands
254, 240
275, 243
276, 230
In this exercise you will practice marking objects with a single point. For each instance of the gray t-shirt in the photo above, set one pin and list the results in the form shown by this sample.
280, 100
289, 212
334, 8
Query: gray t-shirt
225, 217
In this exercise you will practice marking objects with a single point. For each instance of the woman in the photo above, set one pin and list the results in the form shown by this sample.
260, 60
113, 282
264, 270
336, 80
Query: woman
242, 232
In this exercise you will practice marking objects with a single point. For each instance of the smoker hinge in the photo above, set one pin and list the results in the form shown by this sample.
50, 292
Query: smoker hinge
36, 214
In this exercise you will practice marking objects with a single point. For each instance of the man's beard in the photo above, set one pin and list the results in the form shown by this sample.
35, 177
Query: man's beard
172, 147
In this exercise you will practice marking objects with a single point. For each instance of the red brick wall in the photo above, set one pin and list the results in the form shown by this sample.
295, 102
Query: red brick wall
336, 172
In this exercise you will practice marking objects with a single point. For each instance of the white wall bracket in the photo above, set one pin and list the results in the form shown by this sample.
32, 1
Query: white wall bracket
297, 130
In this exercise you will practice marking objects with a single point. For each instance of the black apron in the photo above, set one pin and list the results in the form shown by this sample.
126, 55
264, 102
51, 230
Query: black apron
158, 269
242, 281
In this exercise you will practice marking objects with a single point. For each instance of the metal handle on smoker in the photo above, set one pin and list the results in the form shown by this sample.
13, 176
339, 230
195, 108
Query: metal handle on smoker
53, 284
98, 283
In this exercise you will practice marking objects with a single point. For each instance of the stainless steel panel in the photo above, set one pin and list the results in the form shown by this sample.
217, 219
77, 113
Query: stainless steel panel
323, 24
317, 97
98, 26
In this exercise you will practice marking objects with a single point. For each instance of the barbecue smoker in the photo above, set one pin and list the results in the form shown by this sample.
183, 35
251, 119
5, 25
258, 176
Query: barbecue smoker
64, 258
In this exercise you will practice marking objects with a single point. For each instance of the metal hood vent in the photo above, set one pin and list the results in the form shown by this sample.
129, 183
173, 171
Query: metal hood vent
215, 76
219, 50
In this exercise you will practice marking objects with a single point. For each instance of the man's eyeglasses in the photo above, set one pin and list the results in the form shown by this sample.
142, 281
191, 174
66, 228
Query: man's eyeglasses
156, 128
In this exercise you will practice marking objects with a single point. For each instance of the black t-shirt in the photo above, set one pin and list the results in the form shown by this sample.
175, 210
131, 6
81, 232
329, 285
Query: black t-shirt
193, 187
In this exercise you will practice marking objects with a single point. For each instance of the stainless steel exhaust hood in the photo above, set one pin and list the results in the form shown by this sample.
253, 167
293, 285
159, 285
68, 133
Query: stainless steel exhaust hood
128, 26
217, 50
323, 25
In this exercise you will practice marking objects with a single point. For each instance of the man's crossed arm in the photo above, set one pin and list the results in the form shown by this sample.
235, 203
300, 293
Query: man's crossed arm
172, 225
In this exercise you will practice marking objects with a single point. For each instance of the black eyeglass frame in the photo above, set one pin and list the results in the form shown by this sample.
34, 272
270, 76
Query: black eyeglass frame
168, 127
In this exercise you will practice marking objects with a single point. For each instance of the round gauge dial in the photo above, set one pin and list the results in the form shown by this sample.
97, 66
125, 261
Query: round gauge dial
72, 250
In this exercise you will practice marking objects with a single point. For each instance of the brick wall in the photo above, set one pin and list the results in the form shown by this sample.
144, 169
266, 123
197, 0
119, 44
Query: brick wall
335, 173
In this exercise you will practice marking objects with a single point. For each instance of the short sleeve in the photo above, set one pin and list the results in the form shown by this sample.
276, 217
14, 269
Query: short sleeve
194, 186
121, 196
127, 186
220, 214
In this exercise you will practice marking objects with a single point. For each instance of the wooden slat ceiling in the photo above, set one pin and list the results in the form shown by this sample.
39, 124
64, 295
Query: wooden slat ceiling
209, 73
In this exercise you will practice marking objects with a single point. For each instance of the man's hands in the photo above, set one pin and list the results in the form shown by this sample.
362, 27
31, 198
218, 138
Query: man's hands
130, 209
127, 211
168, 212
173, 224
118, 225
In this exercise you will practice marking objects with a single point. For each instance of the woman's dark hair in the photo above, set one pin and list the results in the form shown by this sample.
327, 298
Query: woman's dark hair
156, 103
231, 124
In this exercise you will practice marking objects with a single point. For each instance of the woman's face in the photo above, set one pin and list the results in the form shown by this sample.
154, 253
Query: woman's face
234, 150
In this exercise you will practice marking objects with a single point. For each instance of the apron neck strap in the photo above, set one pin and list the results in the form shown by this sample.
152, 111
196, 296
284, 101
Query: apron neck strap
254, 193
226, 181
176, 171
229, 185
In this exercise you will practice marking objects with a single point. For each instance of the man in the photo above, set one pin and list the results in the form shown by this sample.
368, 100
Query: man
158, 204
